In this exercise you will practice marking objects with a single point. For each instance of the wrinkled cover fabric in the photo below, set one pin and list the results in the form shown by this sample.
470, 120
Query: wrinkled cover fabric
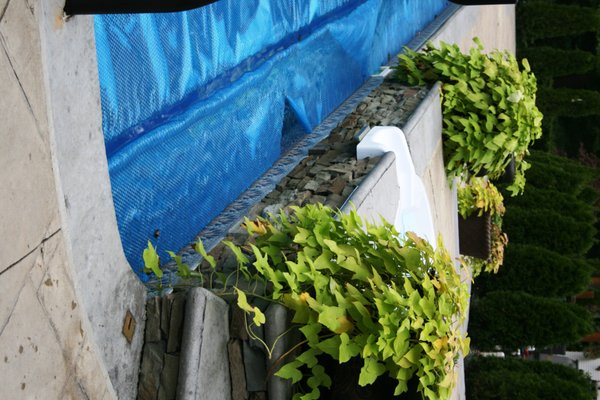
193, 103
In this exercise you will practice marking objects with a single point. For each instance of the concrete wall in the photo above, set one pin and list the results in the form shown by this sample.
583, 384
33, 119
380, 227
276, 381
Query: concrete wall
64, 280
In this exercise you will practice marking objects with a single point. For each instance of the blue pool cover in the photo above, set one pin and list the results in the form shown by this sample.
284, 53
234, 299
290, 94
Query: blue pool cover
193, 103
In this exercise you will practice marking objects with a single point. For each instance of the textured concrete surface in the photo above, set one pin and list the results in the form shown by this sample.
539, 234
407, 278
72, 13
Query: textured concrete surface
64, 280
378, 194
102, 275
494, 25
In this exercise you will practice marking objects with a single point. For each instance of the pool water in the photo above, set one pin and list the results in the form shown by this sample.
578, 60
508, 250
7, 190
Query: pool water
197, 105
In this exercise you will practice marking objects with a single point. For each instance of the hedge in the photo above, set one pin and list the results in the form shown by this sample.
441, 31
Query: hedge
544, 20
537, 271
513, 320
549, 171
550, 62
488, 378
551, 199
549, 229
565, 102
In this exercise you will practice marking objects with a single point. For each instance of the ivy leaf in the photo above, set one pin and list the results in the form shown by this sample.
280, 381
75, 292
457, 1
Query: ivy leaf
152, 261
330, 317
348, 348
199, 247
331, 346
290, 371
370, 371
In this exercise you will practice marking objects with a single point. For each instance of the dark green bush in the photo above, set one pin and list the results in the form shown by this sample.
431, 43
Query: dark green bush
551, 199
565, 102
537, 21
516, 319
537, 271
549, 229
549, 171
549, 62
495, 378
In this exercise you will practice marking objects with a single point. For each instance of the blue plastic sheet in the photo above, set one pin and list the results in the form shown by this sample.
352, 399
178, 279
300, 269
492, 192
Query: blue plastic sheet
196, 105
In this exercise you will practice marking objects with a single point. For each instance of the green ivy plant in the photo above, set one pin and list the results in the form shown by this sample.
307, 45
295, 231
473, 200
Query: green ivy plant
478, 196
356, 289
488, 106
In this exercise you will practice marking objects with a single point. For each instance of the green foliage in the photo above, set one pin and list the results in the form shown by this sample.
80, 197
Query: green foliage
549, 171
356, 290
550, 199
549, 62
543, 20
513, 319
479, 195
489, 111
537, 271
492, 378
549, 229
565, 102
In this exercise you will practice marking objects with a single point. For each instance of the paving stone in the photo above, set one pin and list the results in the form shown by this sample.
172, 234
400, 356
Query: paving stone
152, 333
28, 346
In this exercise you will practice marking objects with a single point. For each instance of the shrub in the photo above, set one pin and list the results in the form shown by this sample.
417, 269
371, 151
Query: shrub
549, 229
544, 20
537, 271
551, 199
488, 105
565, 102
550, 62
513, 320
549, 171
488, 378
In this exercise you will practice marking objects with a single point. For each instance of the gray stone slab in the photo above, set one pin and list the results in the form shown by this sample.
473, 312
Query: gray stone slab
204, 368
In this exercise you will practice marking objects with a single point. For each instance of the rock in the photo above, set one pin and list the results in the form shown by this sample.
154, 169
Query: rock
168, 378
311, 185
152, 333
152, 365
176, 323
237, 371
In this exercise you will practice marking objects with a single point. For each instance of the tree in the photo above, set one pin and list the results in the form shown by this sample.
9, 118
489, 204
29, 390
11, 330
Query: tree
488, 378
516, 319
537, 271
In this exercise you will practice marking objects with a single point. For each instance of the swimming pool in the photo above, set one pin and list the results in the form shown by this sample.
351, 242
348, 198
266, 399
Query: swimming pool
197, 105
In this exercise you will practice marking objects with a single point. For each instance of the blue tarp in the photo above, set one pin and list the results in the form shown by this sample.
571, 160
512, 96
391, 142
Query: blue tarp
193, 103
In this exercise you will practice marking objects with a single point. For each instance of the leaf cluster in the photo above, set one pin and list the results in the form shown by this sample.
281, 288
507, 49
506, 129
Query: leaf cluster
488, 106
356, 290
